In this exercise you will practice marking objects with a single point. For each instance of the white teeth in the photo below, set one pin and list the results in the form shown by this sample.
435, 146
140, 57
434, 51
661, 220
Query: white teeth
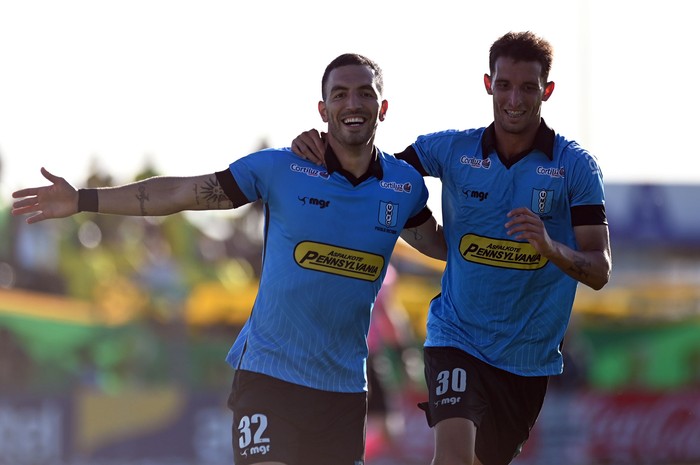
355, 120
514, 113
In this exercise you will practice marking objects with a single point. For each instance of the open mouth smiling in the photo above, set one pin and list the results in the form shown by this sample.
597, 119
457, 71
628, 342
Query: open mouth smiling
353, 120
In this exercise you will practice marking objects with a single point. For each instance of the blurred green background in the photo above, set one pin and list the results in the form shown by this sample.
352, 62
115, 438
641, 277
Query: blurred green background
113, 333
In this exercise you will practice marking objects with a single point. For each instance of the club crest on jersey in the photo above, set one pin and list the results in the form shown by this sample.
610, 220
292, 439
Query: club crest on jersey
541, 201
309, 171
388, 213
404, 187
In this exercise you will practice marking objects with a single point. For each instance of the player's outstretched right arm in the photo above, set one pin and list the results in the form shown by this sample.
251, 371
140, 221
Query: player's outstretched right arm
156, 196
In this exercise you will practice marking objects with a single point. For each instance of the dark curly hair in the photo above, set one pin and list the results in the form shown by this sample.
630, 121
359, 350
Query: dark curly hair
522, 46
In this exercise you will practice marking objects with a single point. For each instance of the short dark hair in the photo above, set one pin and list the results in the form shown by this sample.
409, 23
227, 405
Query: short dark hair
522, 46
353, 59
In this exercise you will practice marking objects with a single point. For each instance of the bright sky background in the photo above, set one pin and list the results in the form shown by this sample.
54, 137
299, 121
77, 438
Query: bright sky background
192, 85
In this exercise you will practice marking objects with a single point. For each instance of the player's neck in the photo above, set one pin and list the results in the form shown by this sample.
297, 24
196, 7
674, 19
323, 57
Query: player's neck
511, 145
354, 159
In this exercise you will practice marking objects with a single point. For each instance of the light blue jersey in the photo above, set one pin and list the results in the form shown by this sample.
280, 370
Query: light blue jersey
501, 301
328, 239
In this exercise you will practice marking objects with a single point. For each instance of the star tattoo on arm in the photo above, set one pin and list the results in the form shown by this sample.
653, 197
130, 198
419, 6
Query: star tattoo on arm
212, 193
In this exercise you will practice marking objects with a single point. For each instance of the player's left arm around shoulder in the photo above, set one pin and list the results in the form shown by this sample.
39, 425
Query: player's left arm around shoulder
591, 262
427, 238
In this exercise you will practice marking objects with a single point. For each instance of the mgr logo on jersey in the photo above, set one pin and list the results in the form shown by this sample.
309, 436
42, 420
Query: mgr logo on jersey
541, 201
338, 260
500, 253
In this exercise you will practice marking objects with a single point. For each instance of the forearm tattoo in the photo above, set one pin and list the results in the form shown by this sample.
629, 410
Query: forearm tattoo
212, 194
142, 198
581, 267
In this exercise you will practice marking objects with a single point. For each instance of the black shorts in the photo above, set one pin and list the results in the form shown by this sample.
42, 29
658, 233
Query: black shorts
376, 394
502, 405
277, 421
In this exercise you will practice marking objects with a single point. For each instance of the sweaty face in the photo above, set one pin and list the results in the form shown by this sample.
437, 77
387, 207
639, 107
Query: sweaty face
352, 105
518, 91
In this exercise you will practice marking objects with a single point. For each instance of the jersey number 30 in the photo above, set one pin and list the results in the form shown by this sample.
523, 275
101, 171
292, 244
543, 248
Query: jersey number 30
458, 381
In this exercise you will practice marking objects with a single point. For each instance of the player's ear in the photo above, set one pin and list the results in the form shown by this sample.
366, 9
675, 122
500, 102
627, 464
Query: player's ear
487, 84
548, 89
383, 109
322, 111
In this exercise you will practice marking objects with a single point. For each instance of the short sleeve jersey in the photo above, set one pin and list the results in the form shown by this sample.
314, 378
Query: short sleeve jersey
327, 246
501, 301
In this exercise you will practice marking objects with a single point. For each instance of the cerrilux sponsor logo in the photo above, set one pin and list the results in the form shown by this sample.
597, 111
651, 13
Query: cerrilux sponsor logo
309, 171
500, 253
401, 187
475, 162
552, 172
340, 261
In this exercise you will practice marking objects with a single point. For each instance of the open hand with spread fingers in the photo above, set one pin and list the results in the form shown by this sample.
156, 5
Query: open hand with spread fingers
57, 200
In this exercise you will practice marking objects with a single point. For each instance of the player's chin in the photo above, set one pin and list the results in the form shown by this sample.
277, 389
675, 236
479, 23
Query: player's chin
356, 136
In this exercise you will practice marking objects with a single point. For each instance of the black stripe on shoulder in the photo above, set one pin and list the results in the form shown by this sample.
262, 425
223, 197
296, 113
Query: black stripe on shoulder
230, 187
411, 157
417, 220
583, 215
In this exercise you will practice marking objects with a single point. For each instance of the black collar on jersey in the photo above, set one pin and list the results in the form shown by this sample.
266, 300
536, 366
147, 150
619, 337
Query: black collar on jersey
374, 168
544, 142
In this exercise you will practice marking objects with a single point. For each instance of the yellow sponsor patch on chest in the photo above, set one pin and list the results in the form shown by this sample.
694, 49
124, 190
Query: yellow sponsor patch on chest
339, 260
500, 253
